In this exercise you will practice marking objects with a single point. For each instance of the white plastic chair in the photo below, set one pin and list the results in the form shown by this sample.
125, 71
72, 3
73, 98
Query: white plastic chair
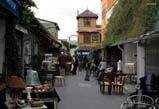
141, 101
136, 106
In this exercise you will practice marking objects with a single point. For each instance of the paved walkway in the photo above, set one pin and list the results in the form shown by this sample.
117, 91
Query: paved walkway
80, 94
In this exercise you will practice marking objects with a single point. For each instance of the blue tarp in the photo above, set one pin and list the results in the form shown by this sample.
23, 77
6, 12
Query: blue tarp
10, 5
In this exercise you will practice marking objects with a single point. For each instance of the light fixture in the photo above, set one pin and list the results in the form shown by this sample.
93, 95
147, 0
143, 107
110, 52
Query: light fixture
32, 79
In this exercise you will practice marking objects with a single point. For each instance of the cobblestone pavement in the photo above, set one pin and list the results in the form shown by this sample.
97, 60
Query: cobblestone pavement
80, 94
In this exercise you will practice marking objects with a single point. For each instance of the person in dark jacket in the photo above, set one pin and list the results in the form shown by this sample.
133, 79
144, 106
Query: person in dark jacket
75, 65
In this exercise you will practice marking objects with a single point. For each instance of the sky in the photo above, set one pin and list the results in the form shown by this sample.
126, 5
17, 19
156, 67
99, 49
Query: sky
64, 13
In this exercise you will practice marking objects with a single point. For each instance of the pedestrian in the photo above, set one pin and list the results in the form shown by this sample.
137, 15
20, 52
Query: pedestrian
75, 64
62, 61
88, 72
102, 67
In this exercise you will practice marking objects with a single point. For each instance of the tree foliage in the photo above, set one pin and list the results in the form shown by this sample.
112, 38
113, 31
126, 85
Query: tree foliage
26, 14
129, 19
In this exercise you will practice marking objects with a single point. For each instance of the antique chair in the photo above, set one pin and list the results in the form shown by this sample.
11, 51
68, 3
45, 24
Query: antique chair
106, 81
118, 83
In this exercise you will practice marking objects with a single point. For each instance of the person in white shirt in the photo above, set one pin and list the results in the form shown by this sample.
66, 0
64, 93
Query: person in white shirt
102, 67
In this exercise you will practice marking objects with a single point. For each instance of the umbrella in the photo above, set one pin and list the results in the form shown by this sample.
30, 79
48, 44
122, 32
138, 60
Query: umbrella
16, 82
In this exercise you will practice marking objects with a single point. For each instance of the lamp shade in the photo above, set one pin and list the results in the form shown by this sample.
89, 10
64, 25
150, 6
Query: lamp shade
32, 78
15, 82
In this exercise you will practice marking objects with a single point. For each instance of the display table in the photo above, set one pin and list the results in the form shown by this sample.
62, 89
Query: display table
29, 107
50, 98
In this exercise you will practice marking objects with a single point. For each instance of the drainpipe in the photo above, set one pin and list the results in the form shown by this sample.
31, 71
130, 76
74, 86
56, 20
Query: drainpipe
120, 48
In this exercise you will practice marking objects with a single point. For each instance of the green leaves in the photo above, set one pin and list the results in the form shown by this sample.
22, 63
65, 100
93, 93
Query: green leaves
26, 15
130, 18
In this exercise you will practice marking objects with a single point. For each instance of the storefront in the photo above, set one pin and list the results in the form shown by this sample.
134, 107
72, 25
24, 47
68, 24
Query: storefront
9, 8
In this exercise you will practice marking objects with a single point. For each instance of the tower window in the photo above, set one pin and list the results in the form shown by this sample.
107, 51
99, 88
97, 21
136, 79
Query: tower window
87, 22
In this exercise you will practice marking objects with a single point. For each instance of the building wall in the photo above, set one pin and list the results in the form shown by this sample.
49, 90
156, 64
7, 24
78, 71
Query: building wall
130, 50
140, 62
2, 42
82, 27
92, 27
106, 7
81, 40
156, 23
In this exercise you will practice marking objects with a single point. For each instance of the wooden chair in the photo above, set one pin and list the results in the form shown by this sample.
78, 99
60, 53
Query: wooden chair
119, 81
106, 81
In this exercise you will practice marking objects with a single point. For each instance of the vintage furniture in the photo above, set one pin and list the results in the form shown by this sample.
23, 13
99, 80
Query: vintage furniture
106, 81
118, 82
50, 98
113, 81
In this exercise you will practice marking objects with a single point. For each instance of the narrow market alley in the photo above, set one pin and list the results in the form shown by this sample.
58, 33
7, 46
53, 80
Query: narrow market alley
80, 94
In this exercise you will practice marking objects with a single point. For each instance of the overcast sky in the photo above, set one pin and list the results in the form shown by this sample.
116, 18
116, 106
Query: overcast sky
64, 13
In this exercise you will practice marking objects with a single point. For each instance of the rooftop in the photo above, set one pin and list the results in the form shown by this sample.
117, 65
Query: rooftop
87, 13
